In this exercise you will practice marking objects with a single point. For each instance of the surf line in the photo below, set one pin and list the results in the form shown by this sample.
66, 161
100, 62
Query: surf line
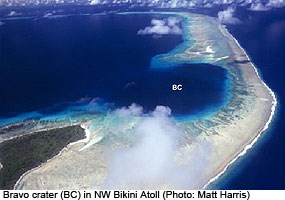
266, 126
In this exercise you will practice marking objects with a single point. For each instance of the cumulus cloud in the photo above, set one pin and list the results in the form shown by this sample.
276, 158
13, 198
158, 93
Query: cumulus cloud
275, 3
13, 13
252, 4
151, 161
226, 16
258, 7
47, 15
133, 110
94, 2
162, 27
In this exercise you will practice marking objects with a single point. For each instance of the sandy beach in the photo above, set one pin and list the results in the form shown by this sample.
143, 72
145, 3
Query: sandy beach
245, 124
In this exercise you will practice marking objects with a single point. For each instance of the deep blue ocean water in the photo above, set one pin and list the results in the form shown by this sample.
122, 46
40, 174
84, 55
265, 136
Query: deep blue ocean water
262, 36
44, 62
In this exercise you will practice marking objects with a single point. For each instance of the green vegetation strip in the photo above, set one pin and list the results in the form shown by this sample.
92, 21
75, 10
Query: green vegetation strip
27, 152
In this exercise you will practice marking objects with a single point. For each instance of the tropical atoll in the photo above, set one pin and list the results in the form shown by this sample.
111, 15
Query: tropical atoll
183, 153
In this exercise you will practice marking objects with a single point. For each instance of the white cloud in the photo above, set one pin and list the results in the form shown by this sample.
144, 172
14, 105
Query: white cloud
1, 23
226, 16
269, 4
258, 7
133, 110
151, 161
13, 13
275, 3
94, 2
162, 27
48, 15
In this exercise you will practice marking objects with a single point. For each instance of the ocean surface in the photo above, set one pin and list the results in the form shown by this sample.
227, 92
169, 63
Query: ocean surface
46, 62
262, 36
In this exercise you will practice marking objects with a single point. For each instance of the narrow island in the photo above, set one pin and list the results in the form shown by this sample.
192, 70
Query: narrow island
24, 153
